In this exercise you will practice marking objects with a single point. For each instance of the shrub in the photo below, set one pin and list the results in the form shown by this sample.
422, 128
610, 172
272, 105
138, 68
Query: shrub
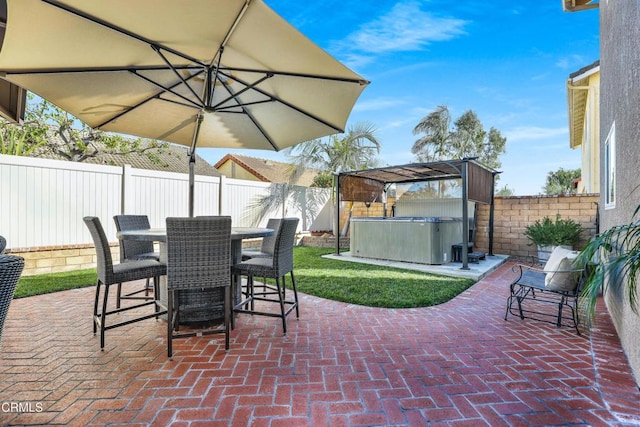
561, 232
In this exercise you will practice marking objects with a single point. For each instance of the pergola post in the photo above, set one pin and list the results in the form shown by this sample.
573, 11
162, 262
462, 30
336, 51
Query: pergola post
465, 216
492, 211
336, 220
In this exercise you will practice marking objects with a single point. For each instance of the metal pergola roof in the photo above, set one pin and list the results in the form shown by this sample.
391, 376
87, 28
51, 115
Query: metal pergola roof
413, 172
477, 184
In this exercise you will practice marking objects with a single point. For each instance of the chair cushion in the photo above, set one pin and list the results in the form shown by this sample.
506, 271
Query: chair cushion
256, 267
146, 255
136, 270
559, 275
256, 253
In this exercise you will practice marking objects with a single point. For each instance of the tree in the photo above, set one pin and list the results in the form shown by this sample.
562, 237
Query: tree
505, 191
49, 130
19, 140
561, 182
356, 149
466, 138
323, 180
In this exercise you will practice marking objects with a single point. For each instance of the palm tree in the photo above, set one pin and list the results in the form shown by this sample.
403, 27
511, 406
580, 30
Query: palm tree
612, 259
353, 150
434, 144
356, 149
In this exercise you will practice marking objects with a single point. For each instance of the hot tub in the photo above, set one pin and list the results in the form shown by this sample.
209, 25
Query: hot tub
424, 240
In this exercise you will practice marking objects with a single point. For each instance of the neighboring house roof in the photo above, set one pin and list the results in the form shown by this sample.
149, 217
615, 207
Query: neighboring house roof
588, 69
577, 95
579, 5
268, 170
171, 158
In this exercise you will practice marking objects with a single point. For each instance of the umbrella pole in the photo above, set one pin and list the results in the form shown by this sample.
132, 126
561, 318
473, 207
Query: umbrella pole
192, 162
192, 176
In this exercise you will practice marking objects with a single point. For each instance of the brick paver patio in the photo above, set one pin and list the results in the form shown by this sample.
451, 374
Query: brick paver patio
458, 364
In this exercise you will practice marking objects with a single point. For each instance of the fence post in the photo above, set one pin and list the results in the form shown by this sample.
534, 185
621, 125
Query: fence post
221, 194
124, 193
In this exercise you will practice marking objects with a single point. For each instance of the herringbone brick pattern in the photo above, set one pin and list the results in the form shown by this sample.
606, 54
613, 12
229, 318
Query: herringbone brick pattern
458, 364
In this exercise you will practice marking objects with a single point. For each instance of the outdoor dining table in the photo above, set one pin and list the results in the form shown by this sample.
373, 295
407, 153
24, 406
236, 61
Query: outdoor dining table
188, 300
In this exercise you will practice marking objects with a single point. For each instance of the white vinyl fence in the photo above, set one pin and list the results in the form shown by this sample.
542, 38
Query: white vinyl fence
42, 202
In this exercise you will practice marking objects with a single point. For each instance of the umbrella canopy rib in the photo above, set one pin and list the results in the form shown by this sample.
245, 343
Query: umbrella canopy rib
170, 89
232, 28
293, 107
123, 31
361, 82
199, 68
177, 74
156, 96
255, 122
219, 105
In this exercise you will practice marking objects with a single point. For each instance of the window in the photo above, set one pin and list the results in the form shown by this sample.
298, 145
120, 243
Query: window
610, 169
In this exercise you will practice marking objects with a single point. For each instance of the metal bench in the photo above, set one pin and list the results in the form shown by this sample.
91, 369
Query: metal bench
531, 299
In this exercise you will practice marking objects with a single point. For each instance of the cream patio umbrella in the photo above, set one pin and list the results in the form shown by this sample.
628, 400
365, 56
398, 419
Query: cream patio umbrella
208, 73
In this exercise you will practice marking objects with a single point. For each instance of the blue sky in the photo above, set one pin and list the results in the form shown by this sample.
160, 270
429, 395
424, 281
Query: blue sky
506, 60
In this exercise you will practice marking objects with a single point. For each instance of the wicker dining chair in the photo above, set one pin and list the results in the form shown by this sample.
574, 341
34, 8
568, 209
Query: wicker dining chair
134, 250
3, 244
198, 258
111, 274
275, 267
11, 267
268, 243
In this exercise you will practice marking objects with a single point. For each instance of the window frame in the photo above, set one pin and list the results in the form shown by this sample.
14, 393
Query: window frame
610, 168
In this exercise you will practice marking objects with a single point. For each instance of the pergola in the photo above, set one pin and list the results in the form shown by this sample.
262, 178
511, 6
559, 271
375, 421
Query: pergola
370, 185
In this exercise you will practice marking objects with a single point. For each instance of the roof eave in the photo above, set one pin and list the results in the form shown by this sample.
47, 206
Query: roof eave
577, 91
579, 5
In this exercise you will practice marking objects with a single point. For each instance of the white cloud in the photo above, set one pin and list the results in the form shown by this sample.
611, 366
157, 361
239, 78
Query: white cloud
541, 76
401, 123
404, 28
570, 62
377, 104
527, 133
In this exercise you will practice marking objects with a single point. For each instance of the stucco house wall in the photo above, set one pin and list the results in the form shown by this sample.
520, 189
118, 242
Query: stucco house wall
620, 104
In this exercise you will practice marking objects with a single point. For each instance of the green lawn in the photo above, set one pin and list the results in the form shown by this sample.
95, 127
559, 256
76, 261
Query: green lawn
355, 283
54, 282
371, 285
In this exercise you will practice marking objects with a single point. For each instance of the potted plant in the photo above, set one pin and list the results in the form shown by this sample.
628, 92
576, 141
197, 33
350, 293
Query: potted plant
612, 260
546, 234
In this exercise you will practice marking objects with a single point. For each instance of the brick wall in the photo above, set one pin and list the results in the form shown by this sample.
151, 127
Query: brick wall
513, 214
375, 210
58, 259
325, 241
